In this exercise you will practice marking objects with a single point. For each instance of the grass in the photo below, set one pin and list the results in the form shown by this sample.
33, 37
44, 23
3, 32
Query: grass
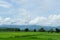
29, 36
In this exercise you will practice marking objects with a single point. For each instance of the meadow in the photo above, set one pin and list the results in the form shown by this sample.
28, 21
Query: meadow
29, 36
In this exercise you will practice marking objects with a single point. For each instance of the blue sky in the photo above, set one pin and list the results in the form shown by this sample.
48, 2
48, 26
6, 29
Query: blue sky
41, 12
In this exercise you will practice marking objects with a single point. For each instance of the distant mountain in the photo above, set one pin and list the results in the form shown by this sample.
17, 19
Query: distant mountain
31, 27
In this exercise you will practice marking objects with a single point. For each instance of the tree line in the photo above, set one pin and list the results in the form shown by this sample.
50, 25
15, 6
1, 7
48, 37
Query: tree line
27, 30
57, 30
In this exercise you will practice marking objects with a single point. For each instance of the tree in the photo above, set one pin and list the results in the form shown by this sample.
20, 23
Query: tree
34, 30
51, 30
17, 29
57, 30
42, 30
12, 29
26, 30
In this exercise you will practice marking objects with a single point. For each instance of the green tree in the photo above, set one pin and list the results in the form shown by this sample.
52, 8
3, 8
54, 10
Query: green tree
57, 30
12, 29
26, 29
42, 30
34, 30
51, 30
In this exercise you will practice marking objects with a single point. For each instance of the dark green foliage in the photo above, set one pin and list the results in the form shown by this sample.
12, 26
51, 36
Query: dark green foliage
10, 29
57, 30
34, 30
51, 30
42, 30
26, 30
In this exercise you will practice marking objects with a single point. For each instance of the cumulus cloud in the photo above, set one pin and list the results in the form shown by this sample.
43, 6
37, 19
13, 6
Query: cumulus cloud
38, 20
1, 19
12, 21
52, 20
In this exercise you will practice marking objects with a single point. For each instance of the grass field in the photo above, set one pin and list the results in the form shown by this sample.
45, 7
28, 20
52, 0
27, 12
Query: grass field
29, 36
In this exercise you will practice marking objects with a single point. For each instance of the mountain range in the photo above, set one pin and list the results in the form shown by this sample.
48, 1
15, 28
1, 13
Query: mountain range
30, 27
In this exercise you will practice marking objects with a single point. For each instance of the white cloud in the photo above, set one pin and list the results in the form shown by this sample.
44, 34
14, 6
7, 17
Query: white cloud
6, 21
52, 20
5, 4
1, 19
39, 21
12, 21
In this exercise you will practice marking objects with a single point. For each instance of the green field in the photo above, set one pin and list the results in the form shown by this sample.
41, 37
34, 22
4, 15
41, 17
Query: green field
29, 36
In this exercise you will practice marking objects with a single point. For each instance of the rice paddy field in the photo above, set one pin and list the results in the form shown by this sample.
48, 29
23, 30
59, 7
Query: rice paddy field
29, 36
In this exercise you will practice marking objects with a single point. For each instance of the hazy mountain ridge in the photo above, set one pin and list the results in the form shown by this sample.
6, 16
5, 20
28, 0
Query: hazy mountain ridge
31, 27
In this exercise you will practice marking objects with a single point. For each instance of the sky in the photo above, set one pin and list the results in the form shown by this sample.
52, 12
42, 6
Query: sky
30, 12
